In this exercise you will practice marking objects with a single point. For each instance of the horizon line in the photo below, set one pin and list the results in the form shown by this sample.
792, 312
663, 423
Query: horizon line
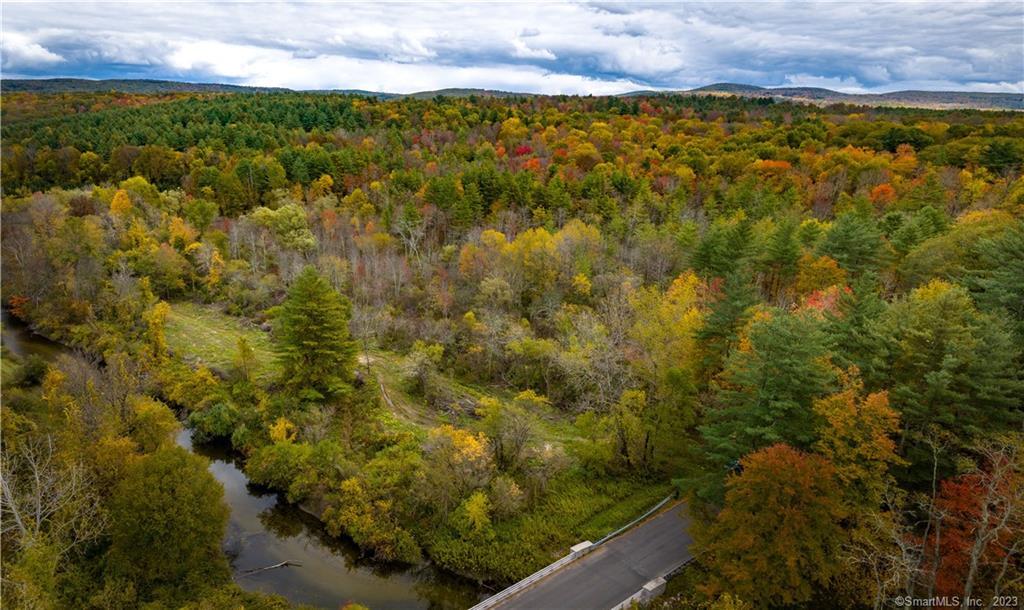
652, 90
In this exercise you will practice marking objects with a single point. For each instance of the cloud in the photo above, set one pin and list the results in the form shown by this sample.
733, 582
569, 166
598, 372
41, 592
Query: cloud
270, 67
525, 52
542, 47
20, 52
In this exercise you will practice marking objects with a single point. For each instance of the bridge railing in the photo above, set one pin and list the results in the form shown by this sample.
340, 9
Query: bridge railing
650, 512
575, 553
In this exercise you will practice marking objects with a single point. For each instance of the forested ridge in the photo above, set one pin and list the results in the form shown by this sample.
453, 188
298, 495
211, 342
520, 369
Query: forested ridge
480, 330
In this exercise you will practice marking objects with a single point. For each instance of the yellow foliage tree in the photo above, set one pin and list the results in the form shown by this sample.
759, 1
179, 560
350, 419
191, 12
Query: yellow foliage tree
322, 186
533, 260
181, 234
215, 268
666, 327
155, 318
457, 461
579, 246
282, 431
121, 205
856, 437
816, 273
513, 129
478, 512
581, 284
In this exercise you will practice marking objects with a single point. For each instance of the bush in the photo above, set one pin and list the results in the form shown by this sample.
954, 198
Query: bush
370, 522
187, 387
278, 465
31, 372
506, 497
152, 424
421, 368
217, 421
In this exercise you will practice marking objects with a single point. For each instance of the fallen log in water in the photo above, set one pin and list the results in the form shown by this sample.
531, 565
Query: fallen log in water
283, 564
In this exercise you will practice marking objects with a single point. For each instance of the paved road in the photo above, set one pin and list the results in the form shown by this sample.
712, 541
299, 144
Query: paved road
614, 571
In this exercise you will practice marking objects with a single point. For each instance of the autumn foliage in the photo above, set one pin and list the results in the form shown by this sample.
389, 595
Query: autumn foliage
809, 318
779, 536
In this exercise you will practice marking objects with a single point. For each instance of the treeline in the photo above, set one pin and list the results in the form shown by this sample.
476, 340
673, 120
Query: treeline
174, 143
811, 319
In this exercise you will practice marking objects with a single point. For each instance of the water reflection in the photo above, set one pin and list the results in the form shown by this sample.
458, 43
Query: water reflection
265, 530
22, 342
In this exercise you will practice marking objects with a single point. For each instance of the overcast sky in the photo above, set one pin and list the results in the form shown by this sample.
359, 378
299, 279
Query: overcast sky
597, 47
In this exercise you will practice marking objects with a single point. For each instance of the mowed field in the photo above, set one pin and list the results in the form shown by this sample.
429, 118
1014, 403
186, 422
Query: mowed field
206, 335
203, 334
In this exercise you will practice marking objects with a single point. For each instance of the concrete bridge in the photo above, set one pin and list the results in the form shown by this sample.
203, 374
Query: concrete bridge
628, 565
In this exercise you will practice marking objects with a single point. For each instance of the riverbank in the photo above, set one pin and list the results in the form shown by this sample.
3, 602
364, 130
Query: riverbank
264, 529
575, 506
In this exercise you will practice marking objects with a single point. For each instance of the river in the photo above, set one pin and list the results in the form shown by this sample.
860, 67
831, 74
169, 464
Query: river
264, 530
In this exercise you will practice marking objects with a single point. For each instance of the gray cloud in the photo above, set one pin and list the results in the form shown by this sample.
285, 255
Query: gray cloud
552, 47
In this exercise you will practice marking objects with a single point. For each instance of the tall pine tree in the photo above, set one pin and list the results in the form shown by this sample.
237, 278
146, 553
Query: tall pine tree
949, 366
766, 393
727, 315
854, 340
312, 339
778, 265
855, 242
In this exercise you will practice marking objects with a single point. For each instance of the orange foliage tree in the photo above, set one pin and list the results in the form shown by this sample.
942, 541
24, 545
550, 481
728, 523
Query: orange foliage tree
778, 537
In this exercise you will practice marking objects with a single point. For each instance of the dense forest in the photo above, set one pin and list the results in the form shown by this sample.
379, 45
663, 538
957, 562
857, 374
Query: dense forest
477, 330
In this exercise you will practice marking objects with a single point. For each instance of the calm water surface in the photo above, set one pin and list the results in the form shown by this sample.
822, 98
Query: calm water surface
20, 339
264, 530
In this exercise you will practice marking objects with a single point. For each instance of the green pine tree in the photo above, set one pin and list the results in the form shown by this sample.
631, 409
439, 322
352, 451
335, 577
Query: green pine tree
854, 340
724, 248
855, 242
312, 339
727, 314
947, 366
779, 263
998, 281
766, 392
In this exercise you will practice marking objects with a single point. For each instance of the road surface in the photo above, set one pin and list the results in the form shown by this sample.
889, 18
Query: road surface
615, 570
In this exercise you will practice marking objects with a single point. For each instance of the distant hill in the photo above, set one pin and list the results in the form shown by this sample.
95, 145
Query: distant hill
425, 95
145, 86
810, 95
734, 88
84, 85
362, 92
820, 96
77, 85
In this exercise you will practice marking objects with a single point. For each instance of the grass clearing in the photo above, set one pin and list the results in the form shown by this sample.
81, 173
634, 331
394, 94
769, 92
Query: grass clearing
205, 334
575, 508
387, 368
552, 425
